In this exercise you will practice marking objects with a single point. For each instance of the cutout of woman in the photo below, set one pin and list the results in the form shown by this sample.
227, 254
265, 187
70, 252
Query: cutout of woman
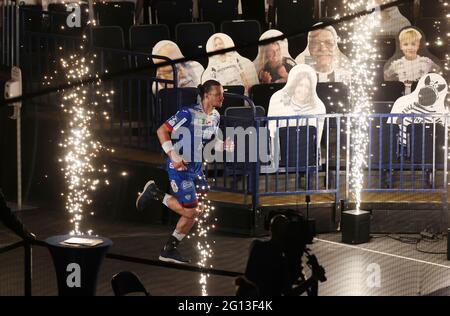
273, 62
298, 97
323, 54
189, 73
229, 69
411, 60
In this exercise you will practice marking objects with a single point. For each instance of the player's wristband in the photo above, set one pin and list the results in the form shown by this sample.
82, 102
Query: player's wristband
167, 146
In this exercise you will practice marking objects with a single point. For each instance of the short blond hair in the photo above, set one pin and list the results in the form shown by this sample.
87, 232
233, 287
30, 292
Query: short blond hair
410, 34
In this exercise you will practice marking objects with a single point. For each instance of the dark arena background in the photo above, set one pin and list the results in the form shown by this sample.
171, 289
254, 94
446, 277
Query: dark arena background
362, 165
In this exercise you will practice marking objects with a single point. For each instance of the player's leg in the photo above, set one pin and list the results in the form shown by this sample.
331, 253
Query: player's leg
185, 201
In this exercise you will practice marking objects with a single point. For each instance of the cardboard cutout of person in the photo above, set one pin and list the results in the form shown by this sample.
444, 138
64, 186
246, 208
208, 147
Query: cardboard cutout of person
391, 20
273, 62
297, 98
411, 60
323, 54
189, 73
230, 69
427, 98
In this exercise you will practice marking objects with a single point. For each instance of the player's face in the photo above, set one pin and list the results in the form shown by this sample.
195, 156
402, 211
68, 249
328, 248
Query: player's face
410, 48
303, 90
215, 96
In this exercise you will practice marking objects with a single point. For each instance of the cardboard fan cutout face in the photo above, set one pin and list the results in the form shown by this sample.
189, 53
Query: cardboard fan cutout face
323, 54
273, 62
391, 20
297, 98
412, 59
230, 69
189, 73
428, 97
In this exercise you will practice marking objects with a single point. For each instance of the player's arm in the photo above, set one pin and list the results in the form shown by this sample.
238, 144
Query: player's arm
164, 132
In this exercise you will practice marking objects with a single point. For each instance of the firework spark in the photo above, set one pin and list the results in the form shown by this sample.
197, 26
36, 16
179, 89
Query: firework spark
204, 226
362, 55
80, 146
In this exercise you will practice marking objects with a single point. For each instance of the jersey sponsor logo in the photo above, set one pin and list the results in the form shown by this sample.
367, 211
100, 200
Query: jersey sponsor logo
174, 186
172, 121
187, 184
180, 123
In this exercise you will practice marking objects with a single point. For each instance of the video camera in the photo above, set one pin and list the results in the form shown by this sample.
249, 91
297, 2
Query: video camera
301, 230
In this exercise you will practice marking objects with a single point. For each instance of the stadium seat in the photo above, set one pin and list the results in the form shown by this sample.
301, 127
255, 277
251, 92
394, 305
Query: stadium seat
298, 148
144, 37
171, 12
385, 95
31, 15
435, 31
389, 91
334, 95
386, 46
243, 32
420, 144
192, 37
229, 101
330, 8
170, 100
254, 10
261, 93
116, 14
104, 38
217, 11
383, 144
431, 8
293, 15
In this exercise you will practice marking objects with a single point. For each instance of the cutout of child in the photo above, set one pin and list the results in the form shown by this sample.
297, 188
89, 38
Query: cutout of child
411, 60
298, 97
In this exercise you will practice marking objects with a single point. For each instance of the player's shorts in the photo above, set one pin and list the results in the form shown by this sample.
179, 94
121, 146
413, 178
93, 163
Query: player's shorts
185, 186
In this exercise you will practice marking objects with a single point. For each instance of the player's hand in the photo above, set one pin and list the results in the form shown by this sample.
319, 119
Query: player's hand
228, 145
178, 163
192, 213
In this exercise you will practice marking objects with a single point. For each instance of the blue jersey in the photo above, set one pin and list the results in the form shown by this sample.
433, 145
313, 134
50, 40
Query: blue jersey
200, 128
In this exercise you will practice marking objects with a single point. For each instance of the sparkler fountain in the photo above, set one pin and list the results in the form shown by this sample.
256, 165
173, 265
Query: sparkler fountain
77, 256
355, 223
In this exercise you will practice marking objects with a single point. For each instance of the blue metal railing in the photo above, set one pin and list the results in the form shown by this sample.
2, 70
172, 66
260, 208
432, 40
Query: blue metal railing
418, 143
